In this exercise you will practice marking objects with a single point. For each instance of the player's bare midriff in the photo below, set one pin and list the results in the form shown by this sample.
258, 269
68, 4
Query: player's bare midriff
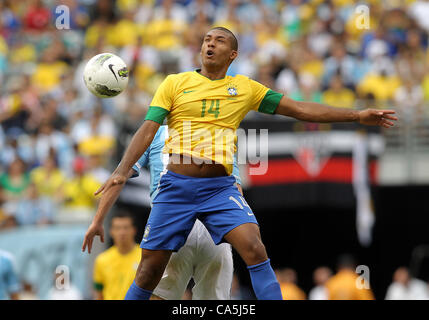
185, 166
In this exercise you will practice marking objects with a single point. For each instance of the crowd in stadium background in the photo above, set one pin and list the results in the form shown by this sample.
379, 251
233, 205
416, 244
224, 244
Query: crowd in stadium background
56, 139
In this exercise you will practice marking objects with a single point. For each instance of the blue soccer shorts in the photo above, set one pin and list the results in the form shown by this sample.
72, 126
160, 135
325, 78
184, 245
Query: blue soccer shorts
183, 199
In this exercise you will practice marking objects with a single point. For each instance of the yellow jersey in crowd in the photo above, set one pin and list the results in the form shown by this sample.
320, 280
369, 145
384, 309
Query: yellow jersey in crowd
114, 272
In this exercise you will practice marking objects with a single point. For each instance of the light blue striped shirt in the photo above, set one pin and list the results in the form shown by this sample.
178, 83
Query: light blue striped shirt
9, 282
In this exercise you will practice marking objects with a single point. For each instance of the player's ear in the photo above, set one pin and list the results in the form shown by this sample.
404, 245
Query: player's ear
233, 55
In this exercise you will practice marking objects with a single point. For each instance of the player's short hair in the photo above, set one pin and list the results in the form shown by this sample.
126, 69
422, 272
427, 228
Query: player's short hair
123, 214
234, 41
346, 261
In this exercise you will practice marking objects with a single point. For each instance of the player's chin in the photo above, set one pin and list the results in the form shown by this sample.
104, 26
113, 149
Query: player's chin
209, 62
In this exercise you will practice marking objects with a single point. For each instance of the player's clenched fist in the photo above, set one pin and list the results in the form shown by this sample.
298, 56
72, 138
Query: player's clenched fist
373, 117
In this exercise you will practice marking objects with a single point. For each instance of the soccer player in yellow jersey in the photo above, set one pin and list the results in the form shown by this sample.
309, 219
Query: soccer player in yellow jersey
115, 268
203, 110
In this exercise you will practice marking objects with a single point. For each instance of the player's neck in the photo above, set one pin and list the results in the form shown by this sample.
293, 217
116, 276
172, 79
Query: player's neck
125, 248
213, 74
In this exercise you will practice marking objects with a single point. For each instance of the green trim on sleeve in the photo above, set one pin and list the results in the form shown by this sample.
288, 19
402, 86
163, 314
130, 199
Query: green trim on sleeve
270, 102
98, 286
156, 114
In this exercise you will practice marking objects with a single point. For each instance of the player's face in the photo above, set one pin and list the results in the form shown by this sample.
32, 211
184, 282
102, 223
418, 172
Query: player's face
216, 50
122, 231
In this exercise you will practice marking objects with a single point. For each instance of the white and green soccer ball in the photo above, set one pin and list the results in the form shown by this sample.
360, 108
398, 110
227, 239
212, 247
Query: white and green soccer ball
106, 75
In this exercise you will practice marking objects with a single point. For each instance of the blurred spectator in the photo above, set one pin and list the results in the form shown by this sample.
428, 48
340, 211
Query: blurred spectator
420, 10
381, 85
96, 135
340, 63
409, 99
288, 285
342, 286
47, 139
308, 89
15, 181
405, 287
48, 178
28, 292
287, 80
115, 269
9, 283
411, 57
7, 219
238, 291
337, 95
198, 7
37, 17
425, 86
97, 167
79, 202
33, 209
63, 289
48, 72
16, 146
320, 276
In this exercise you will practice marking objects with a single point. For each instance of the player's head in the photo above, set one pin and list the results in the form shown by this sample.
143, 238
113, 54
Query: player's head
219, 48
122, 228
346, 261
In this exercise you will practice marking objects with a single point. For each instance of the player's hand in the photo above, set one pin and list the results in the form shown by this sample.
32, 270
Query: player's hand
115, 179
94, 229
374, 117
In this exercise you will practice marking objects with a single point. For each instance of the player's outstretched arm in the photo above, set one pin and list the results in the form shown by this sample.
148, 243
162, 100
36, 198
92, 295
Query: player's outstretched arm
106, 202
316, 112
138, 145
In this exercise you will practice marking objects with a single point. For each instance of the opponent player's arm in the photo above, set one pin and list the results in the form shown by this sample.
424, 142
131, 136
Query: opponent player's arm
316, 112
236, 174
138, 145
107, 200
158, 110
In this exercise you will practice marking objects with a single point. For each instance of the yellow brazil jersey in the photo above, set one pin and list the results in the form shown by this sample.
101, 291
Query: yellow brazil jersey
114, 272
47, 183
343, 286
203, 114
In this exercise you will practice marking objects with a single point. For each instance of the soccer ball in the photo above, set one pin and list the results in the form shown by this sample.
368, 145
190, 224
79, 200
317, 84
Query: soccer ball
106, 75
